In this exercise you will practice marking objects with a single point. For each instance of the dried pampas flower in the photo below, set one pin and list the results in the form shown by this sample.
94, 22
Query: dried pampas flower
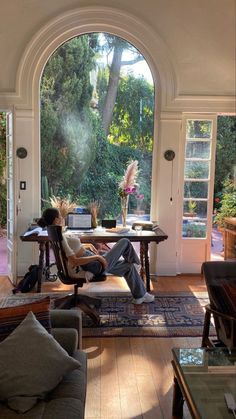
64, 205
94, 208
130, 176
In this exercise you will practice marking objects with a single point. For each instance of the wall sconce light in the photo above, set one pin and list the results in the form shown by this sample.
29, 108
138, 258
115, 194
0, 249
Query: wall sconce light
169, 155
21, 152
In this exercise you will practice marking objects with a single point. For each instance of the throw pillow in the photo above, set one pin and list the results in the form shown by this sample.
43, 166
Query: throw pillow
11, 317
32, 363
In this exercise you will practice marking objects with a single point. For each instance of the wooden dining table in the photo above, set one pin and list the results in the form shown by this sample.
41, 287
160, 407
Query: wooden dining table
144, 237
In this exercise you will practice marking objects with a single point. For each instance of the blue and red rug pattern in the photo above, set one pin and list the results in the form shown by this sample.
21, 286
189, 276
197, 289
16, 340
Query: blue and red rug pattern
171, 315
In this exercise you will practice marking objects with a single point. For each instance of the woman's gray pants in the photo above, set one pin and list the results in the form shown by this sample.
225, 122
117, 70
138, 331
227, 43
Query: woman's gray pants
121, 258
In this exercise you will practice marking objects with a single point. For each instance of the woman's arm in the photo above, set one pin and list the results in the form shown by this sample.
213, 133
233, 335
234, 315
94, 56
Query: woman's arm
73, 254
90, 247
83, 260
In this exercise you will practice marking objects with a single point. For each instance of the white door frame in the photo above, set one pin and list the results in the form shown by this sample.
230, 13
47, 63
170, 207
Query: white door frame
11, 208
192, 252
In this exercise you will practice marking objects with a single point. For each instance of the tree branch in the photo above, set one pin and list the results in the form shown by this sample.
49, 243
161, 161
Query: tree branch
131, 62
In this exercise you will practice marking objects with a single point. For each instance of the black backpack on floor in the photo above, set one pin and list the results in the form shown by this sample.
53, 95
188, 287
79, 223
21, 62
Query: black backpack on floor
30, 279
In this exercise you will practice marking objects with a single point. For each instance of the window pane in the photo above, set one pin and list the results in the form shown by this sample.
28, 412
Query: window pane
79, 143
195, 189
196, 170
194, 229
198, 149
199, 129
200, 210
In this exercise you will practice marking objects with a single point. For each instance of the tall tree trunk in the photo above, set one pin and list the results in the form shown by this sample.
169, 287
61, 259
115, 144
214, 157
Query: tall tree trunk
112, 85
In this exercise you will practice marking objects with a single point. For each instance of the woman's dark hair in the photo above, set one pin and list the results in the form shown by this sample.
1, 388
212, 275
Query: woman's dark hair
48, 217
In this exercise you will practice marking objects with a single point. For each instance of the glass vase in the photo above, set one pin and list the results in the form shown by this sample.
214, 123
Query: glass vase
124, 209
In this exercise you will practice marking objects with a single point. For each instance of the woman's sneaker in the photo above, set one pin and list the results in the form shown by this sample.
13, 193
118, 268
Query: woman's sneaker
147, 298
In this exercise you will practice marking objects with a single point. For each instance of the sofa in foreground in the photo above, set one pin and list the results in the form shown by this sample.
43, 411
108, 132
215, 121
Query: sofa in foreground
67, 399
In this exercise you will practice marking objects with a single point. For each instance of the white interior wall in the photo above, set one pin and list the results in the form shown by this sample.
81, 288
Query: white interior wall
170, 137
27, 201
190, 48
198, 36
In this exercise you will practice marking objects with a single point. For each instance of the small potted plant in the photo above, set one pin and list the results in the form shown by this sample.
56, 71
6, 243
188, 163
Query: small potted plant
192, 205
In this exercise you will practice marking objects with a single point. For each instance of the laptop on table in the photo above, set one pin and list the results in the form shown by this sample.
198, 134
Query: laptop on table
79, 222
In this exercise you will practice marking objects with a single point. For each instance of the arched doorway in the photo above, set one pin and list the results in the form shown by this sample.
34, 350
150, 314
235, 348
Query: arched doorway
46, 41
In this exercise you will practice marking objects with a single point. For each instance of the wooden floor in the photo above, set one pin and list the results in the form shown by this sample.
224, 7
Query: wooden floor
131, 378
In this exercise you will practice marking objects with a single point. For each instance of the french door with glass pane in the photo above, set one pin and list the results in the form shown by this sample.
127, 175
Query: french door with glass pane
197, 189
11, 265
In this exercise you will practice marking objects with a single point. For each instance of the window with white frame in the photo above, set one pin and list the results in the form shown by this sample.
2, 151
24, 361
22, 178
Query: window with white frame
196, 177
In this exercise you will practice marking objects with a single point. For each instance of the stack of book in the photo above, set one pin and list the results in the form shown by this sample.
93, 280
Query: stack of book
146, 225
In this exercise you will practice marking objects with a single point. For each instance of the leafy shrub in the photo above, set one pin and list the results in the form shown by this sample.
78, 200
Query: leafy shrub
228, 203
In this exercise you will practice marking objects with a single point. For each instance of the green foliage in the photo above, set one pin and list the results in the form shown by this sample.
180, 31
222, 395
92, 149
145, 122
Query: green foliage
100, 182
45, 190
193, 229
132, 122
196, 170
199, 129
66, 120
228, 203
225, 151
102, 84
77, 159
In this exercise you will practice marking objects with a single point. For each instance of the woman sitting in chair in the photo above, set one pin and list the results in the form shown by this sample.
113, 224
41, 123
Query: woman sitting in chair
81, 256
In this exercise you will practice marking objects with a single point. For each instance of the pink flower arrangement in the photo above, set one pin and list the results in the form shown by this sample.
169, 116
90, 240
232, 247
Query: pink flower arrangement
130, 190
128, 185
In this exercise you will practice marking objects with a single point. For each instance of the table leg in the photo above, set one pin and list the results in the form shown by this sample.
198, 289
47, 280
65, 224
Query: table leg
178, 400
147, 270
144, 259
206, 329
142, 269
47, 262
41, 264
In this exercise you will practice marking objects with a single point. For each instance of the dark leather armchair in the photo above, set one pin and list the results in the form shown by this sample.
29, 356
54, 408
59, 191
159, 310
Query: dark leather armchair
220, 277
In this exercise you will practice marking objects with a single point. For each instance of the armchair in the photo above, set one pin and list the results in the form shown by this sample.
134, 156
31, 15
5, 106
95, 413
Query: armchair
220, 277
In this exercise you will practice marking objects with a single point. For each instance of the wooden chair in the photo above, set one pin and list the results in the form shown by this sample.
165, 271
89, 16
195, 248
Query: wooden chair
84, 302
220, 277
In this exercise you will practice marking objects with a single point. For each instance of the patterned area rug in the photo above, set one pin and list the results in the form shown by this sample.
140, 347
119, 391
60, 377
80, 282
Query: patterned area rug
177, 314
171, 315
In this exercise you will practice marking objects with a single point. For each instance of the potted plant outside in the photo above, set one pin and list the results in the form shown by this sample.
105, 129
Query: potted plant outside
192, 205
228, 205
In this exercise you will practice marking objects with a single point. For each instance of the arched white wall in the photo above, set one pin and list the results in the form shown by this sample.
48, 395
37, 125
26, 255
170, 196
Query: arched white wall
26, 99
93, 19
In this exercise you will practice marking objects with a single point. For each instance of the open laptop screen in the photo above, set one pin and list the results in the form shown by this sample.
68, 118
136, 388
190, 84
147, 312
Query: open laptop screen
79, 221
